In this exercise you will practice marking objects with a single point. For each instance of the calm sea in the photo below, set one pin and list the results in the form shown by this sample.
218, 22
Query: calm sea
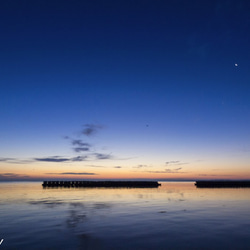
176, 215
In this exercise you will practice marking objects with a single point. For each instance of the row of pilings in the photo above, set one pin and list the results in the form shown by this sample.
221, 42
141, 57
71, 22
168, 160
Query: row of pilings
126, 184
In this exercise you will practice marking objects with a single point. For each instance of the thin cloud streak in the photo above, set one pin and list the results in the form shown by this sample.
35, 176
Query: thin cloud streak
81, 149
175, 163
167, 171
95, 166
13, 175
100, 156
141, 166
15, 160
215, 175
6, 159
60, 159
79, 158
171, 162
73, 173
52, 159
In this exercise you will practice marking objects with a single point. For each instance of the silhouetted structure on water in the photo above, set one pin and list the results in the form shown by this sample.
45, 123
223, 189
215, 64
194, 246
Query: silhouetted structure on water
222, 184
76, 184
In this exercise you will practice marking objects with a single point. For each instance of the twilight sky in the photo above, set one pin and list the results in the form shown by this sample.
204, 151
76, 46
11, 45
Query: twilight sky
125, 89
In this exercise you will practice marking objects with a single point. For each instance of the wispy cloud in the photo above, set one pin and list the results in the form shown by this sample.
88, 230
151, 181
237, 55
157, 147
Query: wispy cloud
91, 129
141, 166
171, 162
80, 149
52, 159
175, 163
80, 143
79, 158
61, 159
215, 175
95, 156
98, 166
167, 171
80, 146
44, 159
12, 175
6, 159
95, 166
74, 173
176, 170
15, 160
100, 156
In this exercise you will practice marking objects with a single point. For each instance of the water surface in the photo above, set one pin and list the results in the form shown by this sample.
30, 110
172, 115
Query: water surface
177, 215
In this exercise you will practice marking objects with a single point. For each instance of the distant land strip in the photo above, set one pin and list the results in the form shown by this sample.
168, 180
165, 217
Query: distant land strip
222, 184
77, 184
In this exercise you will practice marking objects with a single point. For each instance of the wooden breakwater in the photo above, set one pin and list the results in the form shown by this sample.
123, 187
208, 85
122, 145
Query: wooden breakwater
79, 184
222, 184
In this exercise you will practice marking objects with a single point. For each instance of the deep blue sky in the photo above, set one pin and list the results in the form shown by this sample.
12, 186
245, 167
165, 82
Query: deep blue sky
164, 83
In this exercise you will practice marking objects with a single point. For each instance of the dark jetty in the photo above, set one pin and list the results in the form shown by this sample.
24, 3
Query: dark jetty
222, 184
79, 184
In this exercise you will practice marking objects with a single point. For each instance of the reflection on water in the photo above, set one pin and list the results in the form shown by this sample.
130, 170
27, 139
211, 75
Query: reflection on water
176, 215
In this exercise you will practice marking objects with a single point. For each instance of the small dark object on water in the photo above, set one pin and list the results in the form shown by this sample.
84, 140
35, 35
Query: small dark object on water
126, 184
222, 184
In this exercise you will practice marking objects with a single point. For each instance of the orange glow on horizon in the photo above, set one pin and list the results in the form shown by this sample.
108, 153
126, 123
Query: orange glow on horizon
125, 175
66, 172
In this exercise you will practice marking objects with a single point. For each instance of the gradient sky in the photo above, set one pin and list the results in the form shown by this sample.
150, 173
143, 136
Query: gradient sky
125, 89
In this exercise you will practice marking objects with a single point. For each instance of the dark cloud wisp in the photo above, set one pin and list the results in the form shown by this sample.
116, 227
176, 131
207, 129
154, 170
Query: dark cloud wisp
52, 159
91, 129
80, 146
80, 149
60, 159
